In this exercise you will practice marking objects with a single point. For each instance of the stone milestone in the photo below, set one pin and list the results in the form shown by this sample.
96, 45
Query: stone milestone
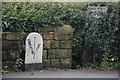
34, 49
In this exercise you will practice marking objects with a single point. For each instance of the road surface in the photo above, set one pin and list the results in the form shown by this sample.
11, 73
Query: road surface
62, 74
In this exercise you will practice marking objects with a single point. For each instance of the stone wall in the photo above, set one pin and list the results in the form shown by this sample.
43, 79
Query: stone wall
57, 43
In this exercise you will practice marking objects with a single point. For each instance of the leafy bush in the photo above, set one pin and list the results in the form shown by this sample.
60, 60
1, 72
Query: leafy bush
97, 37
93, 40
19, 63
16, 67
92, 65
27, 16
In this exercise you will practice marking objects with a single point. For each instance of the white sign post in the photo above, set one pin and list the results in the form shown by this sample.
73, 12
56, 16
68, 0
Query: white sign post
33, 54
96, 10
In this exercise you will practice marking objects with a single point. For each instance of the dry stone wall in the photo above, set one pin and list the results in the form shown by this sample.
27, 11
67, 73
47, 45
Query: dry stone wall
57, 43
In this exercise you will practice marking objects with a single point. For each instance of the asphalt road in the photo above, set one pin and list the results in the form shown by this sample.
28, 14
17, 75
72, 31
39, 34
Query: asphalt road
63, 74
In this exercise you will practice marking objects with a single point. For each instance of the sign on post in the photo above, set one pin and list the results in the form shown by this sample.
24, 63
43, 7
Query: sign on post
95, 11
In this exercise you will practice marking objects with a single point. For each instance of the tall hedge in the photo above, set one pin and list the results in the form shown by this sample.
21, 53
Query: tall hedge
95, 40
23, 16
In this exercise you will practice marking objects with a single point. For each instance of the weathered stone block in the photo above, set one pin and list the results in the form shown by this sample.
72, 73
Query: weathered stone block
69, 53
13, 55
49, 35
45, 29
14, 35
65, 29
4, 36
67, 36
4, 55
61, 53
66, 44
10, 36
46, 44
54, 62
42, 34
59, 36
44, 54
54, 44
51, 53
46, 63
10, 45
66, 63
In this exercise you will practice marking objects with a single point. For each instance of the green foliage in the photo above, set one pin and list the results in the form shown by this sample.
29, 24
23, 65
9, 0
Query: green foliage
5, 68
92, 65
16, 67
109, 62
78, 66
19, 62
105, 63
28, 16
94, 39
